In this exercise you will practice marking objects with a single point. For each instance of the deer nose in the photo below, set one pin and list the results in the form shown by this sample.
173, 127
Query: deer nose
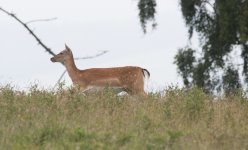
52, 59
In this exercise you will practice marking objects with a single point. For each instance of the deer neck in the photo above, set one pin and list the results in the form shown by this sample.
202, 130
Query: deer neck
71, 68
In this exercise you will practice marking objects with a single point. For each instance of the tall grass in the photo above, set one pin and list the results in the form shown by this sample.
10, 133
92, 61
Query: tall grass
175, 119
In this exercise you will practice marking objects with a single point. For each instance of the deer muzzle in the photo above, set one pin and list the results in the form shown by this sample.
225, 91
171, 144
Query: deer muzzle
52, 59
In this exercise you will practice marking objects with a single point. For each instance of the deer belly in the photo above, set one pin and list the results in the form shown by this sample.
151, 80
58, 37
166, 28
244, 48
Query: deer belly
110, 82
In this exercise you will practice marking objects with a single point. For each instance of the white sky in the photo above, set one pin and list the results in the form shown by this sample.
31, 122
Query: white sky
89, 27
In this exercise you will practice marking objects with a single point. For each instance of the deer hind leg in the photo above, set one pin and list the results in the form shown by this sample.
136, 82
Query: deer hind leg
137, 88
139, 91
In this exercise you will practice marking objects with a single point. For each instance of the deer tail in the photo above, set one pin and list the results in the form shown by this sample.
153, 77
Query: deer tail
146, 73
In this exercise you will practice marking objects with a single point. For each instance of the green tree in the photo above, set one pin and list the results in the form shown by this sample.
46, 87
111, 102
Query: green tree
147, 10
222, 27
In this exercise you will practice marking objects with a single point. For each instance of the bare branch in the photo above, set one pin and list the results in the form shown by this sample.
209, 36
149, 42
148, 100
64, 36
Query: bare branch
41, 20
90, 57
30, 31
59, 80
41, 43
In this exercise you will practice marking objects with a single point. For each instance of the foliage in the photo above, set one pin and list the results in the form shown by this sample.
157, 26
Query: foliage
174, 119
221, 25
231, 80
184, 61
147, 10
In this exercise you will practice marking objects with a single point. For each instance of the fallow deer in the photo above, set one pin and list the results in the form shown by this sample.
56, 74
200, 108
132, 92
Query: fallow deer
129, 79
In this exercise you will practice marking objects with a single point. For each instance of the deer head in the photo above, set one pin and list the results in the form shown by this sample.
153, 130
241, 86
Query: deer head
63, 56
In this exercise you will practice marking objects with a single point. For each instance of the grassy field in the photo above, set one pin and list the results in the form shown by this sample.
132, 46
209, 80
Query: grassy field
174, 119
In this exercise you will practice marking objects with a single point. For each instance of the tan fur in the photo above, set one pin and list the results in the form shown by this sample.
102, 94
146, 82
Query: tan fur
129, 78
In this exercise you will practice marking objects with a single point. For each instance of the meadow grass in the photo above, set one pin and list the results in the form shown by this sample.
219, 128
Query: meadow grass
174, 119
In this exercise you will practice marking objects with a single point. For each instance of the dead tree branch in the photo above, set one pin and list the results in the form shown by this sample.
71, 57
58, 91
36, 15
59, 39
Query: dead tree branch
30, 31
40, 20
90, 57
41, 43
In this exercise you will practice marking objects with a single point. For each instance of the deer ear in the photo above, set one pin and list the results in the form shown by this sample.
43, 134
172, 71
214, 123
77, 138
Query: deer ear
67, 48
